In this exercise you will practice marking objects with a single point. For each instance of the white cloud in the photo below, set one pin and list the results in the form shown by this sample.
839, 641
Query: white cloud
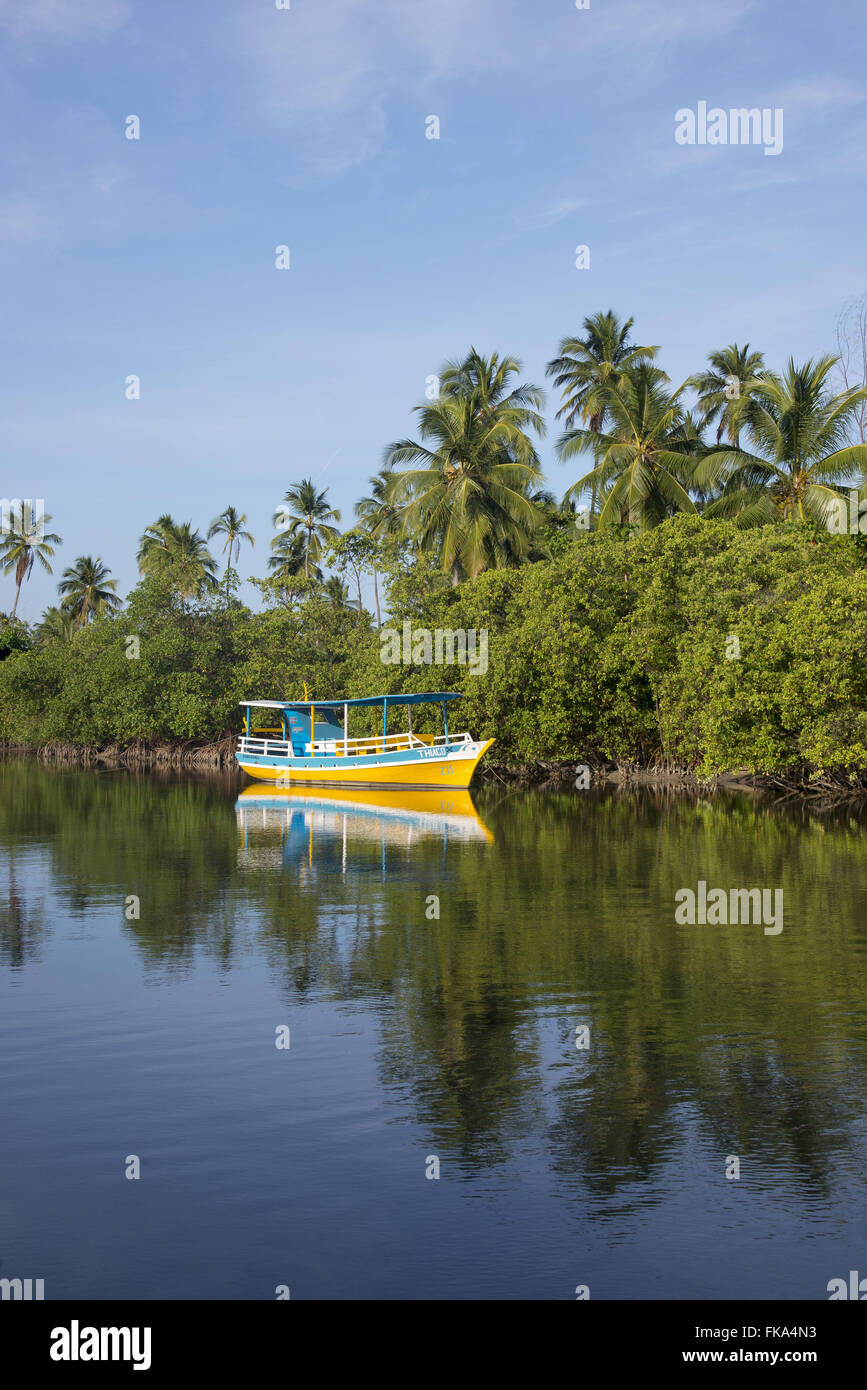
32, 20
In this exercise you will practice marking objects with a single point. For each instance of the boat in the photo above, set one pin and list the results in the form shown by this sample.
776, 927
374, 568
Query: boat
308, 741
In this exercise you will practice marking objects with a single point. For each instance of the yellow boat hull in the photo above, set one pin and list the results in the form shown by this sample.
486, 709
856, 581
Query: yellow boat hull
436, 774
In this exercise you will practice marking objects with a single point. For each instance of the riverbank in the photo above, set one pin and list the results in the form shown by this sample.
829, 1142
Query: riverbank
200, 756
193, 756
810, 784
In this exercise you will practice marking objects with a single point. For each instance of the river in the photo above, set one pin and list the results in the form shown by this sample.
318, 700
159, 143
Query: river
345, 1045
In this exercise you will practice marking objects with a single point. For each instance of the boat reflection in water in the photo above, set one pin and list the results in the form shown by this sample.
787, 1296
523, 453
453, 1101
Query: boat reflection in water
310, 825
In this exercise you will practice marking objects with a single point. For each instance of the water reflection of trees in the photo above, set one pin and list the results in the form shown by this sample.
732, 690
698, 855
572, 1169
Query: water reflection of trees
568, 915
22, 914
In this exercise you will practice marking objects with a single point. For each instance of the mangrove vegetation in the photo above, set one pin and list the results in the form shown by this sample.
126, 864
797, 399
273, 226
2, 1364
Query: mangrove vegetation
695, 598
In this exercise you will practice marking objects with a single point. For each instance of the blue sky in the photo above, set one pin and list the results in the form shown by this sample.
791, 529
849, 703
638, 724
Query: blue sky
306, 127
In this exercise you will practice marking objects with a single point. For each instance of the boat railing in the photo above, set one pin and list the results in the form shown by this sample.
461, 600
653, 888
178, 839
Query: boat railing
353, 747
265, 747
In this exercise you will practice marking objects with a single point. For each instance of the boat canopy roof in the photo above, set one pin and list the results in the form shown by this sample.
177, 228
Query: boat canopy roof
428, 697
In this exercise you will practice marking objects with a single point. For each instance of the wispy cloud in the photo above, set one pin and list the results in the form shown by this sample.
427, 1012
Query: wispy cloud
819, 94
21, 218
75, 185
327, 71
635, 22
761, 179
552, 213
62, 20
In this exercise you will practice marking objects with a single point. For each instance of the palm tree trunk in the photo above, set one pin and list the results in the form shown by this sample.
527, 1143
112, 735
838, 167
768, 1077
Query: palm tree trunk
17, 596
456, 574
593, 489
376, 597
596, 427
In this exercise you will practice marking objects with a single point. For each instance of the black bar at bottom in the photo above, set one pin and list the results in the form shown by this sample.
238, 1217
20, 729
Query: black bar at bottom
160, 1339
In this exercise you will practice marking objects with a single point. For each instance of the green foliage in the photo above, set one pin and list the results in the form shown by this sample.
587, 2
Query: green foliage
412, 580
351, 554
195, 662
466, 494
25, 542
14, 636
87, 590
800, 433
305, 523
174, 550
620, 650
645, 460
707, 619
725, 388
699, 643
230, 523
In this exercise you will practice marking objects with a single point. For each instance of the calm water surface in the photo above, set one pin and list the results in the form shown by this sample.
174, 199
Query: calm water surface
413, 1038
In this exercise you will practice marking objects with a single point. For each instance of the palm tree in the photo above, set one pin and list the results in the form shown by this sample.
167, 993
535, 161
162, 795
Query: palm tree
310, 516
23, 544
57, 625
231, 525
589, 368
487, 380
378, 515
561, 518
337, 593
87, 590
468, 497
725, 388
174, 549
646, 459
799, 430
288, 559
